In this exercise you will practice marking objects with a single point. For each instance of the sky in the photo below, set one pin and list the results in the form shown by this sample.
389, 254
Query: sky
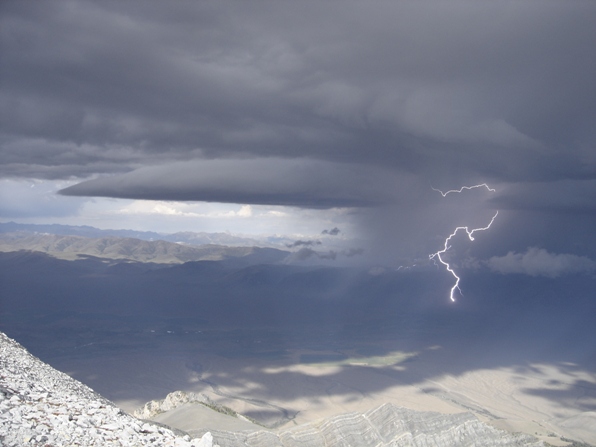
279, 117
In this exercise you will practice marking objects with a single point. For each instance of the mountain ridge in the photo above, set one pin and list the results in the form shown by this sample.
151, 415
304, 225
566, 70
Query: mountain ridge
185, 237
114, 247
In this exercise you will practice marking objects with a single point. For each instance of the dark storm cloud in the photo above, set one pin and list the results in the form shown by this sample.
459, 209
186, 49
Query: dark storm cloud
572, 196
308, 184
455, 90
333, 232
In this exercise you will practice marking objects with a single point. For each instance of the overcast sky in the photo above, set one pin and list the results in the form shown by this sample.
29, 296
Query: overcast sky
298, 117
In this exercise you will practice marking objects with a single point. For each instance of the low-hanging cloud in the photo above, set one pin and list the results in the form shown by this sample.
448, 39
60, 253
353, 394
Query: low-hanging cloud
331, 255
353, 252
301, 243
333, 232
539, 262
305, 253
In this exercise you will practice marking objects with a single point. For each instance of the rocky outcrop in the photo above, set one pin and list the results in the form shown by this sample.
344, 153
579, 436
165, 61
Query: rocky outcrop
171, 401
387, 425
40, 406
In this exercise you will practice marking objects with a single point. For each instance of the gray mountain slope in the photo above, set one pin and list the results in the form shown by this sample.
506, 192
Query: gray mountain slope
111, 247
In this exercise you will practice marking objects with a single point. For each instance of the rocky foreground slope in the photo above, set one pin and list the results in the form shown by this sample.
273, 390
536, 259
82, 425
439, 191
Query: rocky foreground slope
40, 406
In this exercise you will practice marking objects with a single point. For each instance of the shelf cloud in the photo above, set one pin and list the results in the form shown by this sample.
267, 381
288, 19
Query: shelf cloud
302, 183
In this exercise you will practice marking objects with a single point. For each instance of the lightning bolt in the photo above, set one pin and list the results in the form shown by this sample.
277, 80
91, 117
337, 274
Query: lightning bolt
469, 232
464, 187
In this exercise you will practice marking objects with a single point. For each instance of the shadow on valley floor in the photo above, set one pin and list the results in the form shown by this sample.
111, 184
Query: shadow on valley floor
136, 332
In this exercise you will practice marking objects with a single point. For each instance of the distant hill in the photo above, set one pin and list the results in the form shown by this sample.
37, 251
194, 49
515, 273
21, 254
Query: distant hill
73, 230
186, 237
113, 247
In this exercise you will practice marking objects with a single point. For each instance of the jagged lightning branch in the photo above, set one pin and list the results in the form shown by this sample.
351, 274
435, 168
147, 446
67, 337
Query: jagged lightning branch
469, 232
464, 187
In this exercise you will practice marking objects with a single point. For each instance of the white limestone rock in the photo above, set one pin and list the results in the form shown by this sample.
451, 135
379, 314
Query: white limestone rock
40, 406
171, 401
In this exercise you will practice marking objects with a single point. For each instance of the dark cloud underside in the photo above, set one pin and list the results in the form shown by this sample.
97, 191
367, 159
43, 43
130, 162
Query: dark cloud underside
265, 182
455, 90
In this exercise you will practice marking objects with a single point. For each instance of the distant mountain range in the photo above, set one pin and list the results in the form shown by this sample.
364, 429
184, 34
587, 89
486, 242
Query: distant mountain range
70, 242
185, 237
73, 230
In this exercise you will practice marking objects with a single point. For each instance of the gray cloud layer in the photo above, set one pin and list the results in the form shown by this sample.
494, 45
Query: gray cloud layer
312, 184
499, 90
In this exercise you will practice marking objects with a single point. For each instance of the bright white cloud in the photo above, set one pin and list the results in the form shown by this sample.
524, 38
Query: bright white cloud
245, 211
172, 216
539, 262
210, 211
276, 213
